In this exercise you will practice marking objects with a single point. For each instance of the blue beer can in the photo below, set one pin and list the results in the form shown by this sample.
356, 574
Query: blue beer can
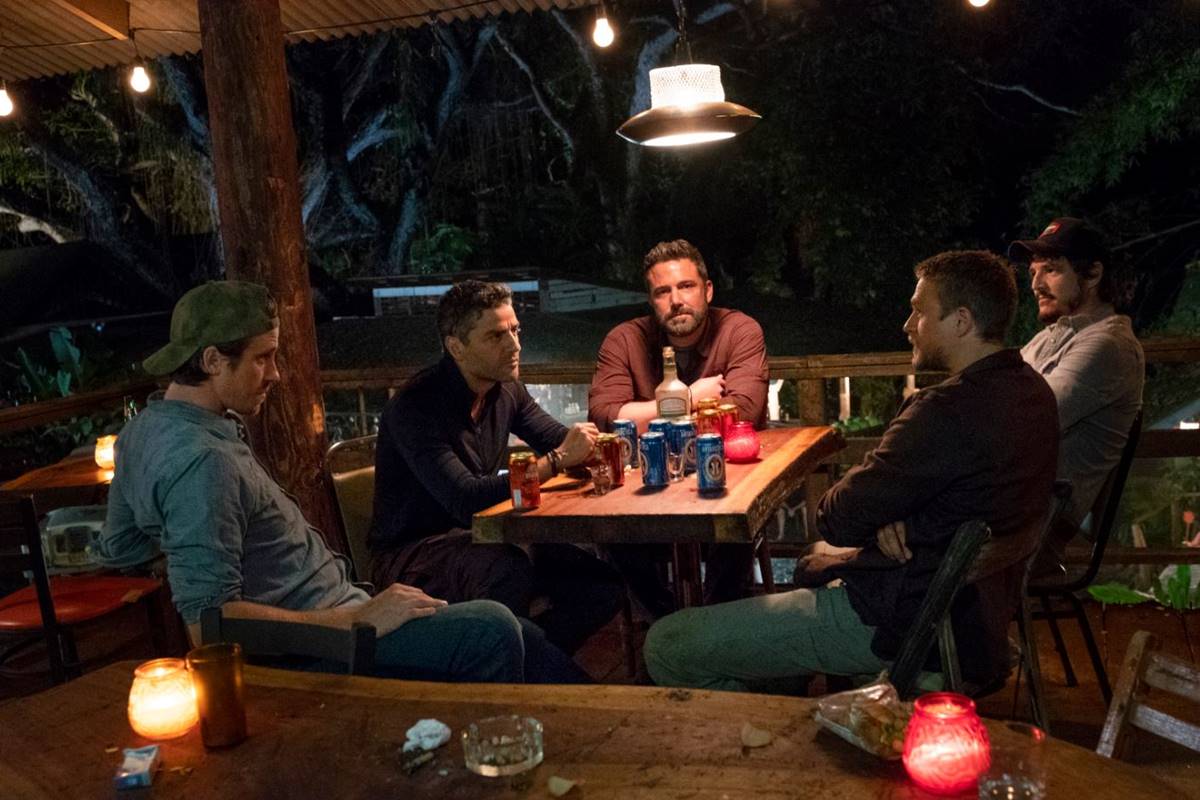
683, 440
660, 425
710, 462
652, 454
626, 431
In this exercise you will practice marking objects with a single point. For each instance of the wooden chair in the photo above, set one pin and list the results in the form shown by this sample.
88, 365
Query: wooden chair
1061, 591
1146, 669
264, 640
933, 620
49, 608
351, 468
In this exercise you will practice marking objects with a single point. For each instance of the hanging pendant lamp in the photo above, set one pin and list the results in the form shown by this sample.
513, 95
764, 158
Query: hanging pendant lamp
687, 103
687, 106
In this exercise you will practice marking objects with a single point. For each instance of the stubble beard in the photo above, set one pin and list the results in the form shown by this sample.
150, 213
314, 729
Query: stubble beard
685, 323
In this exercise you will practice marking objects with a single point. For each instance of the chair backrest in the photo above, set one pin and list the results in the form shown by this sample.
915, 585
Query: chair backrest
935, 610
1108, 501
351, 468
1145, 669
260, 638
21, 558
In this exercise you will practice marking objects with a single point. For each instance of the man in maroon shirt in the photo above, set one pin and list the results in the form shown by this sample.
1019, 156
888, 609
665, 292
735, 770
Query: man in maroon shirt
718, 353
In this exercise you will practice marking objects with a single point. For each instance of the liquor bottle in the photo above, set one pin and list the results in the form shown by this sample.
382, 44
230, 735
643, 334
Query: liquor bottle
673, 397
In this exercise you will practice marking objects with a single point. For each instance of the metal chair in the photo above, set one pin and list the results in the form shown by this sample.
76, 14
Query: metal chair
933, 619
49, 608
1145, 669
1049, 590
351, 468
264, 640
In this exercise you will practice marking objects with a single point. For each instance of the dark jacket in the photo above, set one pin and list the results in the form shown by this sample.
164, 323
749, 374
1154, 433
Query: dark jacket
983, 444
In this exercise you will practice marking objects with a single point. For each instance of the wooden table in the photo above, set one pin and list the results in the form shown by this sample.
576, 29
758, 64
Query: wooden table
76, 480
324, 736
677, 514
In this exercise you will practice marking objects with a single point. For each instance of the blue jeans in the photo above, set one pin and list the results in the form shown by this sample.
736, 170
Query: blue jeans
479, 641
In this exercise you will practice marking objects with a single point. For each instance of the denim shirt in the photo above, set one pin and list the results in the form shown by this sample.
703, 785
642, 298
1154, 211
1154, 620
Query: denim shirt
186, 485
1095, 366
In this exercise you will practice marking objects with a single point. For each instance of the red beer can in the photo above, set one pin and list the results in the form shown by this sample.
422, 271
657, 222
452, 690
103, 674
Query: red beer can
523, 480
609, 446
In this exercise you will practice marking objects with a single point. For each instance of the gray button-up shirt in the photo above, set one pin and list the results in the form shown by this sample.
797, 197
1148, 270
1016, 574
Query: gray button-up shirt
188, 486
1096, 367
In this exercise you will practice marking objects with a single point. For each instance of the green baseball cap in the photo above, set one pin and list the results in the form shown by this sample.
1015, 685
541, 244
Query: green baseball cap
216, 312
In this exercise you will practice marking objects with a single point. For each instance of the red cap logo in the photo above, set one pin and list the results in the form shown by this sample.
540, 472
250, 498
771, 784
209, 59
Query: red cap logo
1051, 228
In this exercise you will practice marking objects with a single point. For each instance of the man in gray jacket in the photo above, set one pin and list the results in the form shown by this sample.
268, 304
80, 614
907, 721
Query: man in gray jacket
1090, 357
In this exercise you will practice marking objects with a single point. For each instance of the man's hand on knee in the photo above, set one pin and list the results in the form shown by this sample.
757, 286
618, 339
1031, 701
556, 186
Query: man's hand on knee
891, 539
394, 606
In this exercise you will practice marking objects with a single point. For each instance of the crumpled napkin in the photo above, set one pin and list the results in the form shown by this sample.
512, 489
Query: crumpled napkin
427, 734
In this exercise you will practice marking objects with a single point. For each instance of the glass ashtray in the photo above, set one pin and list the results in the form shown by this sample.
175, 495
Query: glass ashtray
499, 746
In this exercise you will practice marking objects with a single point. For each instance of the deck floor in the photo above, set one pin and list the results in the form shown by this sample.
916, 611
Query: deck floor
1077, 714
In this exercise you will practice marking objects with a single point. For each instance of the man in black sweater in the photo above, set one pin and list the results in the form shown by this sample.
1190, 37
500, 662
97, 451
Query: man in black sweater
982, 444
442, 441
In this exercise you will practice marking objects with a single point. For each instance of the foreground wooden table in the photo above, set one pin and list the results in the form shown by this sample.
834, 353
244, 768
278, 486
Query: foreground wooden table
76, 480
323, 736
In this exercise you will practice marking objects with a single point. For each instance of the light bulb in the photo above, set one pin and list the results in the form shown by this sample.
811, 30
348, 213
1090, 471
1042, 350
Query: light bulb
139, 80
979, 3
6, 103
602, 34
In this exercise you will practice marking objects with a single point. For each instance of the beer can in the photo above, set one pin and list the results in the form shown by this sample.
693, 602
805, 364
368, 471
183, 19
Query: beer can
659, 425
706, 403
683, 440
652, 455
523, 480
609, 445
710, 462
729, 415
708, 421
626, 429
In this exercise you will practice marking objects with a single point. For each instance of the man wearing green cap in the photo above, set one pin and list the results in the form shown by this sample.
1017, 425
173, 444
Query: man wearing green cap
188, 486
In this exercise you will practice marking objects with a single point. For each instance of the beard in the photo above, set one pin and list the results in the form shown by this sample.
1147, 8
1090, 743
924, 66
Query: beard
683, 322
1059, 308
929, 360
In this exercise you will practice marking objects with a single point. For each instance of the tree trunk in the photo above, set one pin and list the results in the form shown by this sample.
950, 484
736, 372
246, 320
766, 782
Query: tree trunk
258, 196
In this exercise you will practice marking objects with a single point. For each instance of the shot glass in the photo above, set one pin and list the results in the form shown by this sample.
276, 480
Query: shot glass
602, 478
220, 693
1018, 767
675, 466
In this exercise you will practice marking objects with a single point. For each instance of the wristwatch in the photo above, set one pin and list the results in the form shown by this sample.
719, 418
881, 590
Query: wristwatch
555, 462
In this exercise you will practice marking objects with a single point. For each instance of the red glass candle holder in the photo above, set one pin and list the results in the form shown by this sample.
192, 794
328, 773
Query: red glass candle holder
741, 444
946, 745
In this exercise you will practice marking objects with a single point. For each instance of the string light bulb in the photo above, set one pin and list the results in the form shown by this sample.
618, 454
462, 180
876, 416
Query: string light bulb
6, 103
139, 79
602, 34
979, 3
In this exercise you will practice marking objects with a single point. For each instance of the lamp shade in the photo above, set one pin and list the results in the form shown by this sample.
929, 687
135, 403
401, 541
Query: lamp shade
687, 106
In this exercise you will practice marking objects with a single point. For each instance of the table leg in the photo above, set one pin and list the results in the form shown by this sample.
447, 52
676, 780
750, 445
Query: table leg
689, 588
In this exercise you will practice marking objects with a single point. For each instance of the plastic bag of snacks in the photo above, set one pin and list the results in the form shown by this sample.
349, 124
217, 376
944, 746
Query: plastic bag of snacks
871, 717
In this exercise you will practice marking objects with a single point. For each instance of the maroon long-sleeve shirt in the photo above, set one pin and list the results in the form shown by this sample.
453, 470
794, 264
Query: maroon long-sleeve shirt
629, 366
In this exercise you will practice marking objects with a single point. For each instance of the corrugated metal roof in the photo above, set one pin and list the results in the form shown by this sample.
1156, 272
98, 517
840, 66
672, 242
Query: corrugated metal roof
166, 27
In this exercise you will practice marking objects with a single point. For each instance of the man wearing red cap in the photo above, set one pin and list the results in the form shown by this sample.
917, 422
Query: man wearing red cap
1088, 354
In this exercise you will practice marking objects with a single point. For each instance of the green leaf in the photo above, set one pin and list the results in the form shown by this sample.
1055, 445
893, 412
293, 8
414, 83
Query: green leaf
1117, 594
1178, 587
66, 352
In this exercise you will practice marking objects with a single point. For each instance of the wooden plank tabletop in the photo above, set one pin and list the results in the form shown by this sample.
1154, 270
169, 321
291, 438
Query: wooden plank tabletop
320, 736
675, 513
74, 471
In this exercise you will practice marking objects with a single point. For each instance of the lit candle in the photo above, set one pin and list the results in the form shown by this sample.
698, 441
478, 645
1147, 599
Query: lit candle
741, 442
162, 703
104, 452
946, 745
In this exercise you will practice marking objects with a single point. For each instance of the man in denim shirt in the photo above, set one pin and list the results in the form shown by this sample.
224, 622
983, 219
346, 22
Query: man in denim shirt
186, 485
1088, 354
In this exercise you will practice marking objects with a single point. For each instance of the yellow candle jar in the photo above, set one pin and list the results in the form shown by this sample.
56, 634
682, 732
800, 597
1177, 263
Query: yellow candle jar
162, 703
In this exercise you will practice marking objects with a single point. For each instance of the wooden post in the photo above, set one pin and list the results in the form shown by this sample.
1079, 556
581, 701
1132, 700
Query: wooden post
258, 200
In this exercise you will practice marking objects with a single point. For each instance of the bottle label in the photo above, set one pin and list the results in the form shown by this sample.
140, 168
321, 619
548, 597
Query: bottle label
672, 407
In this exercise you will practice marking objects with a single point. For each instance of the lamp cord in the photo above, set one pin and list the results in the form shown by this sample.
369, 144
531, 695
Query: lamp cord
682, 41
